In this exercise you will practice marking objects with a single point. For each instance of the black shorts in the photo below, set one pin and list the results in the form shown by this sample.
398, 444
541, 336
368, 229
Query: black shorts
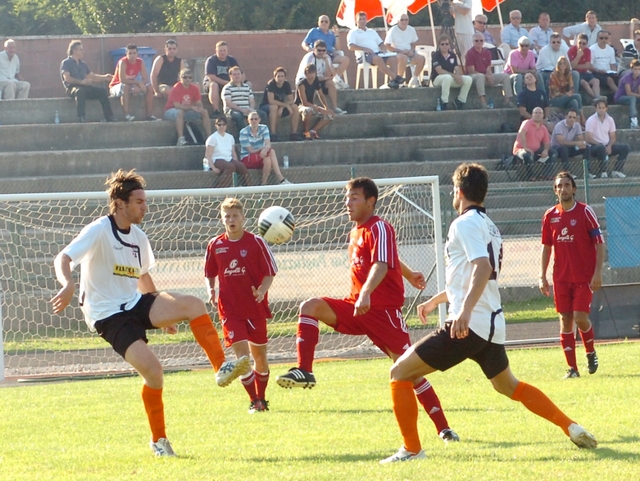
323, 84
126, 327
441, 352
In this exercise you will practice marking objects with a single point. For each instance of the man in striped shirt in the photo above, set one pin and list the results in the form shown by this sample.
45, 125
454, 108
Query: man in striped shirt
238, 99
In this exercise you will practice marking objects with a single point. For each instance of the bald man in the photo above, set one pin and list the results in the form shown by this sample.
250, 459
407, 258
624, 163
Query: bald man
12, 85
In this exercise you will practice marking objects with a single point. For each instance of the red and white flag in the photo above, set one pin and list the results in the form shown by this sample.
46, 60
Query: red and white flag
374, 8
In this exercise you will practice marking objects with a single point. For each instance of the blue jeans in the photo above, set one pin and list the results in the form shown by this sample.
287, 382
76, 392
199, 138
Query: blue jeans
632, 102
599, 151
565, 152
545, 75
567, 102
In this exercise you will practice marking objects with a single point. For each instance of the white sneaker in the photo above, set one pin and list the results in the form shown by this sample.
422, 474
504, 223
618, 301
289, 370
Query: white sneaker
340, 84
542, 160
404, 455
592, 176
129, 118
181, 141
604, 175
617, 174
231, 370
414, 83
339, 111
162, 447
634, 123
581, 437
284, 182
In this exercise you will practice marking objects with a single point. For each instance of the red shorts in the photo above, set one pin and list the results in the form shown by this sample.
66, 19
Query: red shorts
385, 327
572, 296
252, 330
253, 160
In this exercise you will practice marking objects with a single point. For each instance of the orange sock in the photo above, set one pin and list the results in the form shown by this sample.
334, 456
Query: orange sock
152, 399
205, 333
538, 403
405, 408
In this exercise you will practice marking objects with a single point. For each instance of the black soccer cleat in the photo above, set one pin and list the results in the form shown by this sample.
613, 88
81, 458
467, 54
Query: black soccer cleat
592, 362
571, 373
296, 377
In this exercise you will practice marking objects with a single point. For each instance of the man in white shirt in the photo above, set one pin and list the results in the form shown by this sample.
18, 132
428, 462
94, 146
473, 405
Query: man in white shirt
12, 85
600, 133
463, 26
603, 59
402, 39
590, 28
548, 59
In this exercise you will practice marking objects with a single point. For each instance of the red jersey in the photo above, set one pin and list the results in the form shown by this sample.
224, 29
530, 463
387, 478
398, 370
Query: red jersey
375, 241
240, 265
131, 70
573, 234
182, 95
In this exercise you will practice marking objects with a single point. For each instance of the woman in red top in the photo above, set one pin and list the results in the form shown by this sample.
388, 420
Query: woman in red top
580, 58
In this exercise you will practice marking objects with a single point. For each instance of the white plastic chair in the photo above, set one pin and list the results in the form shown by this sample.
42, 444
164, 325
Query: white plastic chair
425, 51
363, 69
497, 65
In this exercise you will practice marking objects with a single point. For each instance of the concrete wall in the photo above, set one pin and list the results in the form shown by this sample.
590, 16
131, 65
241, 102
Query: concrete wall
258, 53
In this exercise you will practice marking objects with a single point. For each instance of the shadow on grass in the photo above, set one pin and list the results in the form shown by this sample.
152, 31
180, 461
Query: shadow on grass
342, 458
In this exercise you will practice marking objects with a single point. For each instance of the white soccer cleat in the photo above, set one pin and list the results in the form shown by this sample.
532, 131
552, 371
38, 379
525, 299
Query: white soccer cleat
162, 447
231, 370
404, 455
581, 437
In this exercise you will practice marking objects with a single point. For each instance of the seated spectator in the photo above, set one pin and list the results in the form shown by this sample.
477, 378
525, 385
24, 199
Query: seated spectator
548, 59
216, 75
534, 145
540, 35
238, 99
568, 139
446, 73
519, 62
580, 58
125, 83
256, 151
512, 33
278, 101
561, 89
589, 28
331, 38
77, 78
12, 85
306, 90
220, 156
402, 39
531, 97
631, 52
628, 92
184, 104
603, 61
600, 132
324, 72
480, 26
165, 71
478, 64
369, 47
463, 26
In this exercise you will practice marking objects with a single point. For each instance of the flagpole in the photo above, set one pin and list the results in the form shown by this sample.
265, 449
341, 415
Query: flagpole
433, 28
499, 14
384, 16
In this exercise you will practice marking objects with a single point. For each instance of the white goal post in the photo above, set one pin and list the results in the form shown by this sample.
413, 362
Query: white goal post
179, 223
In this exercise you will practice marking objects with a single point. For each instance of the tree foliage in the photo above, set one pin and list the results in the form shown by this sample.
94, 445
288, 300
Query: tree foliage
119, 16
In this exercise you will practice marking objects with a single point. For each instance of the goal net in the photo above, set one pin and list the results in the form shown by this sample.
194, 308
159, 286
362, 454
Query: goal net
179, 223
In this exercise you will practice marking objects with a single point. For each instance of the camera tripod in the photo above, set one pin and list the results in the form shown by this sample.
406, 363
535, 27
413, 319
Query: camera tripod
449, 30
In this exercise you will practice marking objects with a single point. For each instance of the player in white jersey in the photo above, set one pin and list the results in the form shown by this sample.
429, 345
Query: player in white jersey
475, 327
120, 300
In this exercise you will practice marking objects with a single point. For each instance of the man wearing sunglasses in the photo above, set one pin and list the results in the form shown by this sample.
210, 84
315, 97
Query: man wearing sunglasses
513, 32
480, 26
184, 104
548, 59
330, 36
603, 60
324, 72
402, 39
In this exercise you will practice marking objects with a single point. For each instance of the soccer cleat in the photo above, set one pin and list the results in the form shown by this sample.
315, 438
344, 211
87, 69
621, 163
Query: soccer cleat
449, 436
129, 118
617, 174
296, 377
592, 362
581, 437
181, 141
231, 370
404, 455
162, 447
258, 406
571, 373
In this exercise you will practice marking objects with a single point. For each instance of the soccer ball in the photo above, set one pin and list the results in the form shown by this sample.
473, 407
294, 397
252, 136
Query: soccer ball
276, 225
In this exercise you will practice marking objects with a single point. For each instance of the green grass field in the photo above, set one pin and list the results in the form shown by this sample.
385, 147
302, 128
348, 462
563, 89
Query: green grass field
97, 430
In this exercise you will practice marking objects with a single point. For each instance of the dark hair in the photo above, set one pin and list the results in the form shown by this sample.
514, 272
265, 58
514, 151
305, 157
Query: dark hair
121, 184
72, 46
310, 68
320, 43
600, 100
368, 186
132, 46
565, 175
170, 42
473, 181
279, 69
574, 111
583, 36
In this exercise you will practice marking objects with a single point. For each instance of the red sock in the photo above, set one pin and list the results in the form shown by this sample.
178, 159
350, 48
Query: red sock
249, 383
538, 403
153, 405
206, 335
429, 399
405, 409
568, 343
307, 341
262, 379
587, 339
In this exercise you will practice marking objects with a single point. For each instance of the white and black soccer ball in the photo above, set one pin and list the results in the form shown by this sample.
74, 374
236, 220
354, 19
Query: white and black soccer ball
276, 225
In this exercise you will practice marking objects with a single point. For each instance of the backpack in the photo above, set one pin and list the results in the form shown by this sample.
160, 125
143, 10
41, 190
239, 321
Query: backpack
194, 134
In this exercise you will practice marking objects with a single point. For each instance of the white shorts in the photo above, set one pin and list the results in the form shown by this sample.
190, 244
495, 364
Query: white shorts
118, 90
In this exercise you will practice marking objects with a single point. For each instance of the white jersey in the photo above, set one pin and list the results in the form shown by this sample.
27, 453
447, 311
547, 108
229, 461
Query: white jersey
111, 262
472, 236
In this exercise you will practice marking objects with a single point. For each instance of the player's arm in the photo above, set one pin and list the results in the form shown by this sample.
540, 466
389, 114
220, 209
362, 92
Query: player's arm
375, 277
479, 277
596, 280
261, 291
545, 256
415, 278
428, 306
210, 282
62, 299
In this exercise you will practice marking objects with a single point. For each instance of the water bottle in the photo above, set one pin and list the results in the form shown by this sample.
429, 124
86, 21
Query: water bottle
285, 162
606, 158
56, 119
439, 106
490, 104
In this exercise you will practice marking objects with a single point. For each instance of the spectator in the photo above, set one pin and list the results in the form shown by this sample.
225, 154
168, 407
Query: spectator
519, 62
220, 155
603, 61
568, 140
628, 92
531, 97
561, 89
446, 73
238, 99
12, 85
512, 33
165, 71
332, 40
590, 28
478, 64
369, 47
631, 51
480, 26
324, 72
402, 39
548, 59
216, 75
278, 101
184, 104
580, 58
256, 151
533, 144
306, 91
77, 78
125, 83
463, 25
601, 135
540, 35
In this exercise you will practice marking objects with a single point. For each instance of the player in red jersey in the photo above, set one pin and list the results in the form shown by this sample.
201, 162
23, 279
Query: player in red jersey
572, 229
374, 306
245, 268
